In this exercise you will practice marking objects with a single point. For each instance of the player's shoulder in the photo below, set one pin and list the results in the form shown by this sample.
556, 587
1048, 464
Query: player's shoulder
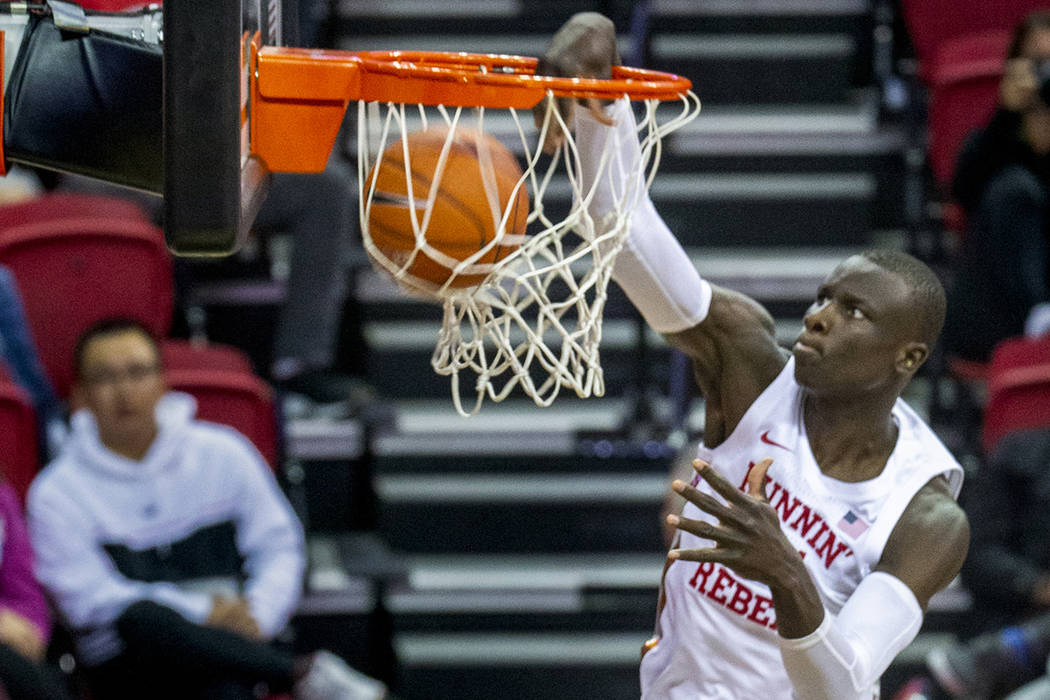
929, 543
933, 520
935, 503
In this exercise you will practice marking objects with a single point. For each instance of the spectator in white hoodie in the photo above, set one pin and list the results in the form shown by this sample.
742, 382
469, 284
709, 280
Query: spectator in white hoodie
167, 544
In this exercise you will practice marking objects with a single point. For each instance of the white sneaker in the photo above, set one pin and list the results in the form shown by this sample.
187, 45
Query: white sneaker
331, 678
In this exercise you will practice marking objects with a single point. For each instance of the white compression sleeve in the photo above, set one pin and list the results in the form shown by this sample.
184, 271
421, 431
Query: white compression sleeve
844, 657
651, 268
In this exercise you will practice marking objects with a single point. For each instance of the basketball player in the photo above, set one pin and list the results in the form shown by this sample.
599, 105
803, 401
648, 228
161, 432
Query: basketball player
822, 517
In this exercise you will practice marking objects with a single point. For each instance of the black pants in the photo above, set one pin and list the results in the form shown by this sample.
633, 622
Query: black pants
166, 656
25, 680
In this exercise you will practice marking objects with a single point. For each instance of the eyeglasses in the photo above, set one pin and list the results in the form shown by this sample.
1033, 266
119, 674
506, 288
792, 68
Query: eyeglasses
109, 377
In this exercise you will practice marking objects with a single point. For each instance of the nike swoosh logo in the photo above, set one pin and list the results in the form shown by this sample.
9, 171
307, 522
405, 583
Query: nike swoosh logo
765, 438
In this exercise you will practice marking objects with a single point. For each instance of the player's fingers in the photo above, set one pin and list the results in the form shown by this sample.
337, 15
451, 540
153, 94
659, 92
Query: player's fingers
553, 140
704, 501
700, 528
704, 554
547, 112
594, 106
756, 480
718, 482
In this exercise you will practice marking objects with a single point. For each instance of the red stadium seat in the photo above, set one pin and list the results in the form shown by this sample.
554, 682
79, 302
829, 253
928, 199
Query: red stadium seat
75, 270
180, 354
69, 205
1018, 389
232, 397
19, 457
930, 23
222, 380
963, 84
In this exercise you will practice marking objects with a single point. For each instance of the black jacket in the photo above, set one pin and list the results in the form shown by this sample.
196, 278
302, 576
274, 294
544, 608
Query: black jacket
1003, 269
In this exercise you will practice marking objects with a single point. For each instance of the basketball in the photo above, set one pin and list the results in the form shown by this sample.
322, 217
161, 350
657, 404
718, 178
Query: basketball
474, 189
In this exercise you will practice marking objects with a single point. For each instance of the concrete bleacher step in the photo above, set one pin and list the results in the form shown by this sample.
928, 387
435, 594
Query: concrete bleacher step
527, 626
405, 18
522, 513
841, 150
518, 478
850, 16
759, 69
530, 625
789, 52
519, 666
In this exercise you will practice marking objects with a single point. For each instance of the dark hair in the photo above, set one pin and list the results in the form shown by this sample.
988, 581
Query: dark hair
110, 326
1040, 19
927, 292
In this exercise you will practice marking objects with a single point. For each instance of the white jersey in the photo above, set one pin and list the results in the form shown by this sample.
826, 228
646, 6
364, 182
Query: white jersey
716, 630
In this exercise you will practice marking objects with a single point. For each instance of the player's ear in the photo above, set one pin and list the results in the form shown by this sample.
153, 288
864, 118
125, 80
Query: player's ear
911, 356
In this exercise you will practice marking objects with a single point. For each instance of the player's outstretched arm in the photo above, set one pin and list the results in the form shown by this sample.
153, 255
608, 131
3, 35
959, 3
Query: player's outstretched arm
729, 336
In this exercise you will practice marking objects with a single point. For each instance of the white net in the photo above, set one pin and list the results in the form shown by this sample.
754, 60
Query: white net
519, 311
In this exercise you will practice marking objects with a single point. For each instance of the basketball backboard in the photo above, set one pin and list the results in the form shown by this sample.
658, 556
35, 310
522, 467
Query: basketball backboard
148, 97
213, 186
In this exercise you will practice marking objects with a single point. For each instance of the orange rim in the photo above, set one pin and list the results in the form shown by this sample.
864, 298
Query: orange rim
299, 96
498, 70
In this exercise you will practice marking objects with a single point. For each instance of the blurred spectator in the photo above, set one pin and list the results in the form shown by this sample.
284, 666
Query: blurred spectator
318, 211
167, 544
1008, 572
1001, 286
25, 623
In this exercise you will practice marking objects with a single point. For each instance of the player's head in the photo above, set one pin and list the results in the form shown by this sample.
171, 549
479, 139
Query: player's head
118, 376
874, 322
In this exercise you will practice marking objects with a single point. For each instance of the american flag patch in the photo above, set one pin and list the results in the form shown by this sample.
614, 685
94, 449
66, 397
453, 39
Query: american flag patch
852, 524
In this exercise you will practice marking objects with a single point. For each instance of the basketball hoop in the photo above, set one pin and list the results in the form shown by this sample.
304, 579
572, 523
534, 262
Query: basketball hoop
534, 321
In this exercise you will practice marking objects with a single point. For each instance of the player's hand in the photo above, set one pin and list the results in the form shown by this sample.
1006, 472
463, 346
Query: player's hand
233, 615
21, 635
584, 47
747, 538
1019, 87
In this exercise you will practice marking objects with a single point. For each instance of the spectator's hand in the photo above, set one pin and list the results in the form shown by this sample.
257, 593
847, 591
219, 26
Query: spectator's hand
584, 47
21, 635
233, 615
1019, 88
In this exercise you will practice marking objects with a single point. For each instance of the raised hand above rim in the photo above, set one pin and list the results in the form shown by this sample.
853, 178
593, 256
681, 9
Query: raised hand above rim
584, 47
